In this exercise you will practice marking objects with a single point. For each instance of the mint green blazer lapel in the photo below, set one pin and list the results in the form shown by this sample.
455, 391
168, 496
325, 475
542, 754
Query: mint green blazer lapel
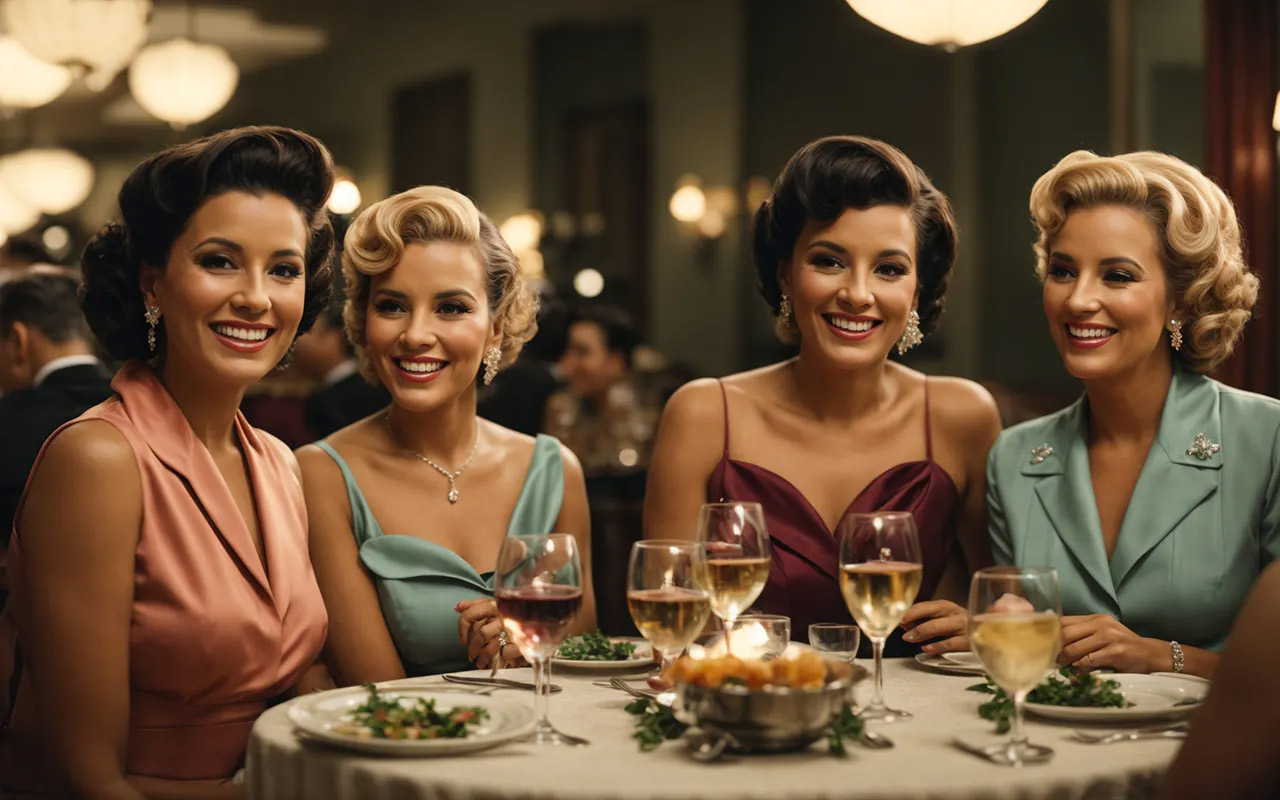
1065, 490
1172, 482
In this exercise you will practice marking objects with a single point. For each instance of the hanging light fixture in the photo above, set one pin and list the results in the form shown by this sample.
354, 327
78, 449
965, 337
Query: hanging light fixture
950, 24
182, 82
95, 38
28, 81
15, 216
47, 180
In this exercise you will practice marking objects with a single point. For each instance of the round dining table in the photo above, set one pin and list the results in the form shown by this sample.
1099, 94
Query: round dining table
922, 764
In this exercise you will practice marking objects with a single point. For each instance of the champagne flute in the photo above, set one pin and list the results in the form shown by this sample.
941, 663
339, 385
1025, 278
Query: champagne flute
667, 594
1015, 622
880, 574
737, 547
538, 589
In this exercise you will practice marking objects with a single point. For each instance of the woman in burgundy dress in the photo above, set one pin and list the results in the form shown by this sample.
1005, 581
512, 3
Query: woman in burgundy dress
852, 251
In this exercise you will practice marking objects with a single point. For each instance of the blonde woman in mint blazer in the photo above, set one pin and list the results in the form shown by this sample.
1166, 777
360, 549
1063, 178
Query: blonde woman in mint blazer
1156, 496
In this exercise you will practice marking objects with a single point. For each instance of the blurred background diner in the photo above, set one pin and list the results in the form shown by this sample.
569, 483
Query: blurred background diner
621, 146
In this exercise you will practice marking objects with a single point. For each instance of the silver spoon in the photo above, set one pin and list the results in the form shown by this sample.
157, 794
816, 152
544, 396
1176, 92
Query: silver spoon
874, 741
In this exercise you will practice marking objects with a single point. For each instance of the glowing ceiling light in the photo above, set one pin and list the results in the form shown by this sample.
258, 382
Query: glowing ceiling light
49, 180
950, 24
94, 38
28, 81
183, 82
345, 196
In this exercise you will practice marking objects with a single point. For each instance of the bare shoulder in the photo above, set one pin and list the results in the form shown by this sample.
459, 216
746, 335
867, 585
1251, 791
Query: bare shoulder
963, 409
93, 462
322, 482
698, 401
87, 451
572, 466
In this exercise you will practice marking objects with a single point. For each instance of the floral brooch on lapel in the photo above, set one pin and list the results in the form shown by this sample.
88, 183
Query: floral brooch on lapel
1039, 454
1202, 448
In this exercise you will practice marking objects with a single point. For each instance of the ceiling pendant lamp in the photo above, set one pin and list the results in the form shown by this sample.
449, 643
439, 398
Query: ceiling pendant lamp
949, 24
48, 180
28, 81
94, 38
183, 82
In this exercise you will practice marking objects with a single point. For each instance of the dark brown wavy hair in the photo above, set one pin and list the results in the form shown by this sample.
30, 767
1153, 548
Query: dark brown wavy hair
829, 175
158, 200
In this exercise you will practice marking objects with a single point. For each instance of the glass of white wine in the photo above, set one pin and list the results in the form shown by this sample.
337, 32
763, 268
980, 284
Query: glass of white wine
1015, 622
880, 574
737, 546
667, 593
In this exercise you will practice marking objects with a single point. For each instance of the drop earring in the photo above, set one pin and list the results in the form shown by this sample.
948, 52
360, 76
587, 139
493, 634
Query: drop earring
912, 335
152, 315
784, 310
1175, 333
492, 360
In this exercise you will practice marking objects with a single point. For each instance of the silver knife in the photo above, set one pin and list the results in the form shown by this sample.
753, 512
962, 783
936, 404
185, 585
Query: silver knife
502, 683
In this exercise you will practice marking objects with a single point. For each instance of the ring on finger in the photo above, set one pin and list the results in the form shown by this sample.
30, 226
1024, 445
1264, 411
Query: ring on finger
1091, 664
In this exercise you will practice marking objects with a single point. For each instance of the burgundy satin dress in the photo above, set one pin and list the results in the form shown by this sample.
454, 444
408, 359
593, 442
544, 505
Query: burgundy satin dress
804, 572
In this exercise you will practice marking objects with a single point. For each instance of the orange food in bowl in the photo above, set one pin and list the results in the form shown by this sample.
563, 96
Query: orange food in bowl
804, 670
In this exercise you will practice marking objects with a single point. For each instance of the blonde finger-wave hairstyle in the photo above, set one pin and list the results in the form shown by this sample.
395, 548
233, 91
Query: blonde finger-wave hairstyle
375, 243
1195, 221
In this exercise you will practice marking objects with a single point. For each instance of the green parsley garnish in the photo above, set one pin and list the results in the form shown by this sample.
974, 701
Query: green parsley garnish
657, 723
594, 647
387, 718
1080, 689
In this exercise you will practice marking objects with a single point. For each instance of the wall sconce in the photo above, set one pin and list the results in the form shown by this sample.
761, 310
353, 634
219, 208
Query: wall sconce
523, 234
344, 198
1275, 116
703, 212
588, 282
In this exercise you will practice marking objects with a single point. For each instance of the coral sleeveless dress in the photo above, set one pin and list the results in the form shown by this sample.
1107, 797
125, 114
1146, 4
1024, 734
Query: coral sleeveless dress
215, 633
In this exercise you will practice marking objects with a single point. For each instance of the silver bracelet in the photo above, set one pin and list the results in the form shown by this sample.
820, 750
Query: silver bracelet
1179, 661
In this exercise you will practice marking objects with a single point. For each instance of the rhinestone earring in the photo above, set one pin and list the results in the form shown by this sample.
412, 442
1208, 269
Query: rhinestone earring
784, 310
152, 315
492, 360
912, 335
1175, 333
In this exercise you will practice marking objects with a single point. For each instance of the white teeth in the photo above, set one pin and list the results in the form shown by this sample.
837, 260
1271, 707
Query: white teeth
243, 334
860, 326
1089, 333
421, 366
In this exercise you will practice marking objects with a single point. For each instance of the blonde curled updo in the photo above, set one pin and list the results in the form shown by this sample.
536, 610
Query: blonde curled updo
375, 243
1195, 221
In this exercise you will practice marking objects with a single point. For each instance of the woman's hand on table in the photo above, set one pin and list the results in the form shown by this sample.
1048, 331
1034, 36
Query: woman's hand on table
479, 628
942, 623
1093, 641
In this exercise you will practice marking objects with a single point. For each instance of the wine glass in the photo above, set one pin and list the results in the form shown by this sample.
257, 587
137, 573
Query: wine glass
767, 635
737, 547
839, 639
1015, 622
667, 593
538, 589
880, 574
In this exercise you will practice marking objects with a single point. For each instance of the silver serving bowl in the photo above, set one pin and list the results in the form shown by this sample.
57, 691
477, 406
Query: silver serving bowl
770, 720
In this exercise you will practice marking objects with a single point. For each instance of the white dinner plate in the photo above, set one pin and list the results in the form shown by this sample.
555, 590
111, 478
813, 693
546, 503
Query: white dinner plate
1154, 697
322, 715
642, 658
940, 663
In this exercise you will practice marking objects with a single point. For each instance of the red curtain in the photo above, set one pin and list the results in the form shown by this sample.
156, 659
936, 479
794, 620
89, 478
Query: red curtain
1241, 72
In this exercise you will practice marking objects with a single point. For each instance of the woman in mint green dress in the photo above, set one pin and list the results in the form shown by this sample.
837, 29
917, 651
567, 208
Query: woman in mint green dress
1156, 495
409, 507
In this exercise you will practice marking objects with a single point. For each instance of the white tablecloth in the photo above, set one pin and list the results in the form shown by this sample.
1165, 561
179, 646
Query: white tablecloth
923, 765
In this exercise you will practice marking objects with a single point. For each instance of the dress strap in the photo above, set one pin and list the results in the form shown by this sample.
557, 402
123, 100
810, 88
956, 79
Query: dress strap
364, 525
725, 398
928, 436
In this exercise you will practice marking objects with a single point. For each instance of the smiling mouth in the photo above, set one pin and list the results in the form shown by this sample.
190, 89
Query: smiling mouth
241, 338
851, 328
1089, 335
413, 370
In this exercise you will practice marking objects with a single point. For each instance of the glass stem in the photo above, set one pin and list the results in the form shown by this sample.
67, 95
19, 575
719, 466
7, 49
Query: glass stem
728, 626
541, 692
877, 697
1018, 741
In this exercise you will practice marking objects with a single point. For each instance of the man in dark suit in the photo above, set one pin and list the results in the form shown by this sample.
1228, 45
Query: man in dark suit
343, 395
48, 374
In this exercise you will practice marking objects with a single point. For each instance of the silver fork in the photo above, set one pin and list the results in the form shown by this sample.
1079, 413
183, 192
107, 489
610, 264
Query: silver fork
1175, 731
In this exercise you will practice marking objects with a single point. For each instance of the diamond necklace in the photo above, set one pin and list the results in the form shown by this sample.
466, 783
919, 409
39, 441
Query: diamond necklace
452, 476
